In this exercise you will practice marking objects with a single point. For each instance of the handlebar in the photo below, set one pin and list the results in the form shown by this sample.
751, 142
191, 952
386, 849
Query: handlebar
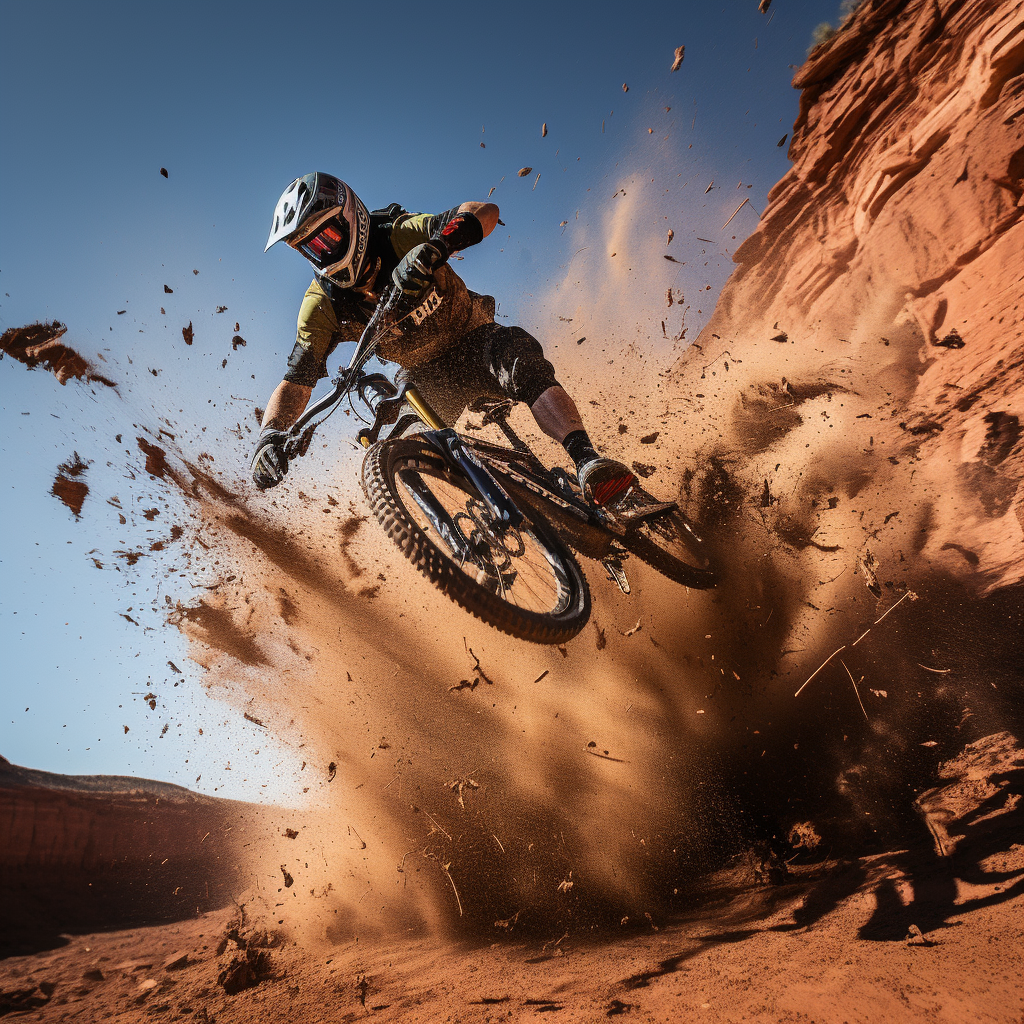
302, 431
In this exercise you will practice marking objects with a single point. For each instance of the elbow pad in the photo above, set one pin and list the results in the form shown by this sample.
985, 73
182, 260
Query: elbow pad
462, 231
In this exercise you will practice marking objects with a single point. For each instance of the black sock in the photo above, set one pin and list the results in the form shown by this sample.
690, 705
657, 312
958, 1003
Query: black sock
579, 446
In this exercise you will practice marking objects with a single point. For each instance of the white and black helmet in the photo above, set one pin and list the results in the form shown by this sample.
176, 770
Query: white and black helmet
321, 217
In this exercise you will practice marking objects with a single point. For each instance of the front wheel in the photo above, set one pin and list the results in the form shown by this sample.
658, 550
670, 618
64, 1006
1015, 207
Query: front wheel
521, 580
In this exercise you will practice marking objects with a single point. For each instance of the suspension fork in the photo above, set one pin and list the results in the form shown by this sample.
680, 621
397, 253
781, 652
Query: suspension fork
459, 457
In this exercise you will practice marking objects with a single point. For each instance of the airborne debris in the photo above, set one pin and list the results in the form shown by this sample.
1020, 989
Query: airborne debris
677, 60
187, 333
764, 5
67, 487
222, 309
625, 88
868, 563
804, 835
782, 336
524, 171
237, 342
460, 785
163, 171
671, 259
332, 770
543, 129
668, 302
671, 235
782, 141
168, 291
710, 187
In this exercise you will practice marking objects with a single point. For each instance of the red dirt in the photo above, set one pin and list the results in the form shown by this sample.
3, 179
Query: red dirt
68, 487
860, 477
39, 344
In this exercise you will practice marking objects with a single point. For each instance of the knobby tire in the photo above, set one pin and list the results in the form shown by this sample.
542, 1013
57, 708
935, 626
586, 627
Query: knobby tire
381, 487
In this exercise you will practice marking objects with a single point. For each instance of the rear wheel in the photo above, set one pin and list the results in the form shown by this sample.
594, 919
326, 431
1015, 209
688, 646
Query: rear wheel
521, 580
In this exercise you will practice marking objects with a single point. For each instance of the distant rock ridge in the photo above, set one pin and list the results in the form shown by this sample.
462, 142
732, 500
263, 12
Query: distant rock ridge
110, 822
13, 776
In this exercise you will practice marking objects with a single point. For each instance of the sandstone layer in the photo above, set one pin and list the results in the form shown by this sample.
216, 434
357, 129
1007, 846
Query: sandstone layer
102, 849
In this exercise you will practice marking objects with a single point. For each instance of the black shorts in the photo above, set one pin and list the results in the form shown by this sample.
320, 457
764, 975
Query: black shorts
492, 360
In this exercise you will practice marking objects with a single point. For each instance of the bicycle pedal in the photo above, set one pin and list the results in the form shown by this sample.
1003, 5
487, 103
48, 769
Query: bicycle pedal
616, 573
641, 513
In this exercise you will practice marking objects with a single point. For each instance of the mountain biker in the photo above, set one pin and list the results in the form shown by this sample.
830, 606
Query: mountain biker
454, 354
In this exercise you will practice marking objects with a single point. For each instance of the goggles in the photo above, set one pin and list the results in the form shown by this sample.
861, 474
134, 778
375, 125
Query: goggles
328, 245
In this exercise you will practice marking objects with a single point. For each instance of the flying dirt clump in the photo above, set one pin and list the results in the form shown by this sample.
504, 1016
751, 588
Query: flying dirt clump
39, 344
67, 485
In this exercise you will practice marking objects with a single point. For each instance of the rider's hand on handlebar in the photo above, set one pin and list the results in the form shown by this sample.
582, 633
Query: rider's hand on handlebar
269, 462
414, 276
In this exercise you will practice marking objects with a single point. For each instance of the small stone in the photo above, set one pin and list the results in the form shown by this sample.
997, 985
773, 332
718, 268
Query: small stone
951, 340
176, 961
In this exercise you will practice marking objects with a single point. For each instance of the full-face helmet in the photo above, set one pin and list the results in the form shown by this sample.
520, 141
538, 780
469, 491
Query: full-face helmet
321, 217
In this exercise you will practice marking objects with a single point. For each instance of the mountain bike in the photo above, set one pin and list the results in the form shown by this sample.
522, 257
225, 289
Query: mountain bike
489, 524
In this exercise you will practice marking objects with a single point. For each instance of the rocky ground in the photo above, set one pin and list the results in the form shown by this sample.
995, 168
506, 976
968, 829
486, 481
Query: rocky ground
833, 944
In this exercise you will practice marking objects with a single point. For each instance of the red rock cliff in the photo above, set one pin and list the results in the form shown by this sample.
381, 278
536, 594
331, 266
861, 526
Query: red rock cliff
860, 378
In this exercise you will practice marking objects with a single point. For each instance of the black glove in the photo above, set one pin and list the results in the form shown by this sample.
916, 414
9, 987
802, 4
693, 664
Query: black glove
269, 462
414, 276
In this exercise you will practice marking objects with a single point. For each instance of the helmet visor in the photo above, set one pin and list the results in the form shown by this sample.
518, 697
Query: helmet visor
327, 245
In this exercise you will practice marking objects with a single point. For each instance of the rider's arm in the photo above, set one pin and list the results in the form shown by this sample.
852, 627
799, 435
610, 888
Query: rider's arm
317, 332
486, 213
466, 225
286, 405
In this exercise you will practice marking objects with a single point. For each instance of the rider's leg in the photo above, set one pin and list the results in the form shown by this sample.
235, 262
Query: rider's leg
517, 361
286, 405
556, 413
605, 481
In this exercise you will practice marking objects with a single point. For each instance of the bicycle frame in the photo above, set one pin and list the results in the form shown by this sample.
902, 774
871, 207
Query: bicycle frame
592, 531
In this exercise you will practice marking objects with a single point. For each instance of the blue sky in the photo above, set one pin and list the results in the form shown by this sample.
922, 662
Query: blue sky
235, 100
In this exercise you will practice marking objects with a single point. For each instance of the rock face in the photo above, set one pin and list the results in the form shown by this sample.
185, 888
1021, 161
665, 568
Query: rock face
862, 371
102, 849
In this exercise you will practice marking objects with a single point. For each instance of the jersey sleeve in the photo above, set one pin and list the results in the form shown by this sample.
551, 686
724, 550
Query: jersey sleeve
413, 228
316, 334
